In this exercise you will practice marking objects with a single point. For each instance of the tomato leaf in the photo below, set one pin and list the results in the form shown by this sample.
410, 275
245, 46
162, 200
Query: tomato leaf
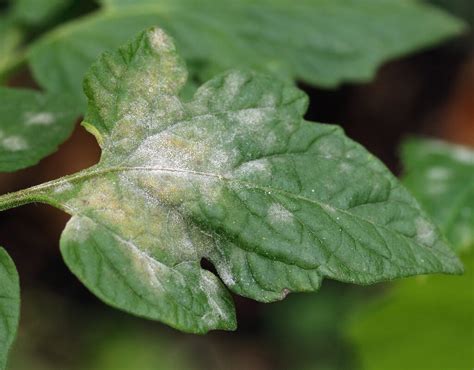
441, 176
15, 23
428, 331
10, 39
37, 12
321, 42
234, 176
32, 126
9, 305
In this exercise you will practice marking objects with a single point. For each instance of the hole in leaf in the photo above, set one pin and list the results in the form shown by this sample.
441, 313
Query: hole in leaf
208, 265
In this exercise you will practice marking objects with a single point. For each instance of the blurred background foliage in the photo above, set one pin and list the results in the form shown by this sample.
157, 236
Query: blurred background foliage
423, 322
419, 323
461, 8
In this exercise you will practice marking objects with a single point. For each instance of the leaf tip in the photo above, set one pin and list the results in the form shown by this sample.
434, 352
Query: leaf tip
457, 267
159, 40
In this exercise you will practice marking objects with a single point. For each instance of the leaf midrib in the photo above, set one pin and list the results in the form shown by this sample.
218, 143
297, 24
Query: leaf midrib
209, 174
94, 172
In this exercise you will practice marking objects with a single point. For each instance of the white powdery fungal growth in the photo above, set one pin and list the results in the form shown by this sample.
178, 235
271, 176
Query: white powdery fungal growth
226, 274
167, 150
233, 84
82, 229
65, 186
464, 155
439, 180
345, 167
277, 214
268, 100
271, 140
220, 160
458, 153
159, 40
327, 149
128, 182
14, 143
40, 119
145, 265
251, 117
425, 232
182, 243
259, 167
439, 173
210, 189
327, 207
211, 288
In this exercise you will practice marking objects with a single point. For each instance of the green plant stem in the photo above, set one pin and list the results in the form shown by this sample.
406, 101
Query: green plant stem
41, 193
25, 196
44, 192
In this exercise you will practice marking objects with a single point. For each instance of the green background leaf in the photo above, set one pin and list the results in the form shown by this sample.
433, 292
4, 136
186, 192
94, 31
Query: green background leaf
37, 12
427, 323
441, 176
461, 8
10, 39
32, 126
9, 304
323, 42
16, 22
423, 324
236, 176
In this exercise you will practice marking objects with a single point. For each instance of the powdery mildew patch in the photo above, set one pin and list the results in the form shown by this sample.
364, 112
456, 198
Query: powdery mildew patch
39, 119
439, 173
425, 232
210, 286
277, 214
225, 167
14, 143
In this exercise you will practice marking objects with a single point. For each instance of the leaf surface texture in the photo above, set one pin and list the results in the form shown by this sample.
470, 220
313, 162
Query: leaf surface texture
441, 176
322, 42
9, 305
32, 126
234, 176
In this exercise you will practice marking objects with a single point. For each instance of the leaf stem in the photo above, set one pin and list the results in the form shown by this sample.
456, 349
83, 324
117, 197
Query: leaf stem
25, 196
40, 193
